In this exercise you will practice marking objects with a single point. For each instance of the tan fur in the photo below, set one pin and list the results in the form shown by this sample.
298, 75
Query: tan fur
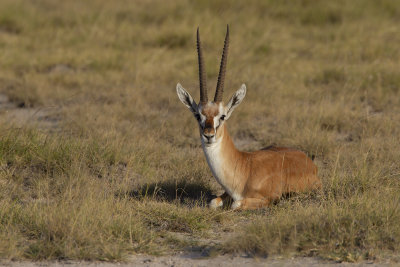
251, 179
262, 176
210, 110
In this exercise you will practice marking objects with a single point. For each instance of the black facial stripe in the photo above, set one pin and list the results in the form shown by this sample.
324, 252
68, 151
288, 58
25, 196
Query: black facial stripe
221, 119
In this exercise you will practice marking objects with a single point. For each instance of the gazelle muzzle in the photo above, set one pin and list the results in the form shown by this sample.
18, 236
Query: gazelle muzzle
209, 133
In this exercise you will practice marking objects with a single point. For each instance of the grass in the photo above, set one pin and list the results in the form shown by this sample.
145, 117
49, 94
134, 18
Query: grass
124, 173
59, 200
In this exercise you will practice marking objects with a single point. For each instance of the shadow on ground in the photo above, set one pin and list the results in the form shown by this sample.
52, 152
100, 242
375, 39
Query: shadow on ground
176, 192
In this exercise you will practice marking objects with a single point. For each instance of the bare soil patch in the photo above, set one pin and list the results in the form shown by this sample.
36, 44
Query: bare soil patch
183, 260
41, 117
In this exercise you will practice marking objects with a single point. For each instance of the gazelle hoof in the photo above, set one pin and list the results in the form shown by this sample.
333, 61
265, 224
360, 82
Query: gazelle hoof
236, 204
216, 203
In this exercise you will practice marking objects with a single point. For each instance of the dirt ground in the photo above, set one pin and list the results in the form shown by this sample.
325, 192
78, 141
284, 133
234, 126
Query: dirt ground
191, 260
44, 118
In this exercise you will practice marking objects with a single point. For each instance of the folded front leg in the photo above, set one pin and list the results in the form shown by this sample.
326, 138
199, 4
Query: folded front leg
219, 201
250, 204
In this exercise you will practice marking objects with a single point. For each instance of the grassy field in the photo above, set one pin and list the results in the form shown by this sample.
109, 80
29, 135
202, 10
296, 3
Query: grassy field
122, 171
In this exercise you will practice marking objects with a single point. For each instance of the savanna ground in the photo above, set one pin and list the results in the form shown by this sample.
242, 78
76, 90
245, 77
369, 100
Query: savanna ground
114, 166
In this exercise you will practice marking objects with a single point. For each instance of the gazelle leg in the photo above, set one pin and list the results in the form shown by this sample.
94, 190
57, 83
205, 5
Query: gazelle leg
250, 204
219, 201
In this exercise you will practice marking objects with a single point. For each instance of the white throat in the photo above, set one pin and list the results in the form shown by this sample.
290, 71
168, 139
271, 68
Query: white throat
215, 160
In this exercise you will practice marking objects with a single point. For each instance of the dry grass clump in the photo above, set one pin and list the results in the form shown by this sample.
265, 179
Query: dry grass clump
351, 230
62, 198
124, 172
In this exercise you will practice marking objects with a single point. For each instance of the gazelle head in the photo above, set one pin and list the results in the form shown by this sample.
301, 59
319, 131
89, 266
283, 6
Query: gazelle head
211, 115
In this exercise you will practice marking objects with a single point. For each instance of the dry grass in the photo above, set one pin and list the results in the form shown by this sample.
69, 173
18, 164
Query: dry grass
125, 173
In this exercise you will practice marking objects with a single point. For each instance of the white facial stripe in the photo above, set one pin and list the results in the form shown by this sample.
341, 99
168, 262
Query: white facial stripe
202, 120
216, 123
202, 117
221, 109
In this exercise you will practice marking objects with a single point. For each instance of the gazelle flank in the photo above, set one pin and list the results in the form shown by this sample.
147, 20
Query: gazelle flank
251, 179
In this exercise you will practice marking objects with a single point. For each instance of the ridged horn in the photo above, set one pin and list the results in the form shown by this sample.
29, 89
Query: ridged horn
221, 76
202, 74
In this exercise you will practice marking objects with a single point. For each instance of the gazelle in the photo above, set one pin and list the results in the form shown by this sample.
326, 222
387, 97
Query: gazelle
251, 179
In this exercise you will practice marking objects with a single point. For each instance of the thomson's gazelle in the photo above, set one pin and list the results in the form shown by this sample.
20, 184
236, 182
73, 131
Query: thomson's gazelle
251, 179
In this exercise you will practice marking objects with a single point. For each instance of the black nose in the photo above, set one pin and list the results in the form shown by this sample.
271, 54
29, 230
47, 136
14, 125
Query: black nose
208, 136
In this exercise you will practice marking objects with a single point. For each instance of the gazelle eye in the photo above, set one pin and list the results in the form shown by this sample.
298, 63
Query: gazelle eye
197, 116
222, 117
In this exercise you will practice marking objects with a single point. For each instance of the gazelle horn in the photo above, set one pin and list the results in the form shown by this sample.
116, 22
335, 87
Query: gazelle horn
202, 74
221, 76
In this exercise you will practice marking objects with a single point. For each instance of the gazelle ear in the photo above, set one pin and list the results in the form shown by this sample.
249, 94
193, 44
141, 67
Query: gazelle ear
186, 98
235, 100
